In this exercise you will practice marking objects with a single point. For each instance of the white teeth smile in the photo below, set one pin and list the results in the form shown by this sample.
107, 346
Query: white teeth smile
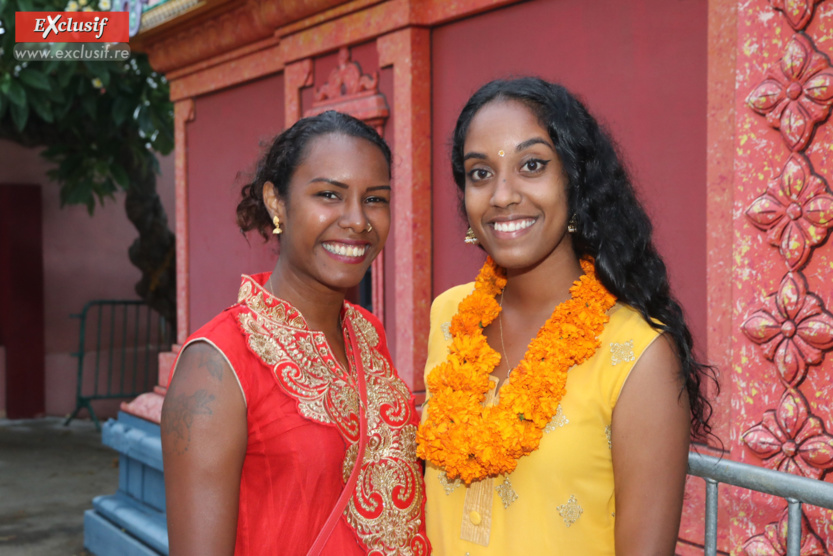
346, 250
513, 225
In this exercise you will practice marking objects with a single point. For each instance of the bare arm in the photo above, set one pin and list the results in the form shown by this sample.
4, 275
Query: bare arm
203, 445
650, 438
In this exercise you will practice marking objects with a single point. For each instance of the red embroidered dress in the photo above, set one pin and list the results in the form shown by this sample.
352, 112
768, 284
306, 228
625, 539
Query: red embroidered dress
304, 432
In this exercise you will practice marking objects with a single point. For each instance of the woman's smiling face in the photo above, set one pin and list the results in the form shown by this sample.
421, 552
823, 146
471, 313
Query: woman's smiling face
336, 214
516, 189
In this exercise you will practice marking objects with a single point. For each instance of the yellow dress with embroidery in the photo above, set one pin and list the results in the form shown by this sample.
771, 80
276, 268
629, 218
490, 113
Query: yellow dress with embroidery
560, 498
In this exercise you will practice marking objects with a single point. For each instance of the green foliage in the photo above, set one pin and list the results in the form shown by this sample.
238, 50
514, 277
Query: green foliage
100, 122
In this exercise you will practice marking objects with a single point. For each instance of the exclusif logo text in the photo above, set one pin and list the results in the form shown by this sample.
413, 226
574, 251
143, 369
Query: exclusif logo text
59, 25
66, 27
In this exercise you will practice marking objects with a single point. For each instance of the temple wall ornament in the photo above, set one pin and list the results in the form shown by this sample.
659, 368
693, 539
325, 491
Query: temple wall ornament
350, 91
797, 12
773, 541
790, 439
793, 329
796, 211
790, 327
797, 92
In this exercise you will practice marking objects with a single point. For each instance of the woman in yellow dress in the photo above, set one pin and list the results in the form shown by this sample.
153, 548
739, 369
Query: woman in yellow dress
562, 387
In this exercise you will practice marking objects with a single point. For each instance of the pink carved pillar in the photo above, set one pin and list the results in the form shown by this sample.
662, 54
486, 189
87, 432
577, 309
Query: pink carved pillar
295, 77
408, 51
149, 405
770, 213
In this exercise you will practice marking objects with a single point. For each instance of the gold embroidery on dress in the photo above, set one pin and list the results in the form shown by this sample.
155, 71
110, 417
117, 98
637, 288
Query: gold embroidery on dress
609, 435
570, 511
385, 509
446, 328
448, 486
507, 493
621, 353
558, 420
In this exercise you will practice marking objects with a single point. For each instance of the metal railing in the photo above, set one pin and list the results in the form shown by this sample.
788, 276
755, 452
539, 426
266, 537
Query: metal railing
118, 348
794, 489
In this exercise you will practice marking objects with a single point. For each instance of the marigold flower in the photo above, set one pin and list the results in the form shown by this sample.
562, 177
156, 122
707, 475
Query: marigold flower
471, 441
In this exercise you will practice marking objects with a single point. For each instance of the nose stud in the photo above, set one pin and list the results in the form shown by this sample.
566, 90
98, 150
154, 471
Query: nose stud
369, 227
501, 153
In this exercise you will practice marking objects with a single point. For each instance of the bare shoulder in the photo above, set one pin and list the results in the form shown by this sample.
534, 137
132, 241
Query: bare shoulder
655, 382
201, 392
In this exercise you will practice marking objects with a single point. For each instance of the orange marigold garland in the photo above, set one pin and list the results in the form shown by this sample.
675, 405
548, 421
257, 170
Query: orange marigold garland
473, 442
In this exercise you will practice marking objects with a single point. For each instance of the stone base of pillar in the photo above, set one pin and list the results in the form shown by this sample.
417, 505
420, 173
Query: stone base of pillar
132, 521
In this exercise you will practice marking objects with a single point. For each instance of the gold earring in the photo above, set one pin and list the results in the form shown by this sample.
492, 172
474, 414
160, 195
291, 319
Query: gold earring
277, 222
571, 225
471, 239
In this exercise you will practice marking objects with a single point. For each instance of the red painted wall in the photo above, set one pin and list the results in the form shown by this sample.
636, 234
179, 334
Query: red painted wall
640, 67
229, 133
21, 300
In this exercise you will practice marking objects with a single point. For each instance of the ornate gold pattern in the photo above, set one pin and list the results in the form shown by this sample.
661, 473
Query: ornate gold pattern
558, 420
448, 486
570, 511
385, 509
506, 493
609, 435
621, 353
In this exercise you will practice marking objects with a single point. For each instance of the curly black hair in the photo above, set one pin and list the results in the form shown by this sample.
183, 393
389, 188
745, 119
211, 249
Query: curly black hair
286, 153
612, 227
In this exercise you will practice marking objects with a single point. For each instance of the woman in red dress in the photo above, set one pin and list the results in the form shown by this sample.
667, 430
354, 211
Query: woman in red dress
286, 429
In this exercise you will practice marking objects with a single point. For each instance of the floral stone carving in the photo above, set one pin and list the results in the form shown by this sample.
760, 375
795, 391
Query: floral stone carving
798, 12
790, 439
773, 541
796, 211
793, 329
796, 93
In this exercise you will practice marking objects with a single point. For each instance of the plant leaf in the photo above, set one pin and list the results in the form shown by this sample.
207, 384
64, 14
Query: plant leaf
119, 175
35, 79
17, 94
121, 109
41, 107
20, 115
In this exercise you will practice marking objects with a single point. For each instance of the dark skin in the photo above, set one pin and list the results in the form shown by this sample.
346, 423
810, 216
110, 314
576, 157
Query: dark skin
339, 199
516, 203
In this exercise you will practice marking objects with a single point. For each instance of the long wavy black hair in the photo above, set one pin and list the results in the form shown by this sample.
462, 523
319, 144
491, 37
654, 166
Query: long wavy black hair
612, 227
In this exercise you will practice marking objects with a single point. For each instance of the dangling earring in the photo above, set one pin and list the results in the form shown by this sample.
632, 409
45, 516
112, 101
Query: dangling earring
471, 239
571, 225
277, 222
